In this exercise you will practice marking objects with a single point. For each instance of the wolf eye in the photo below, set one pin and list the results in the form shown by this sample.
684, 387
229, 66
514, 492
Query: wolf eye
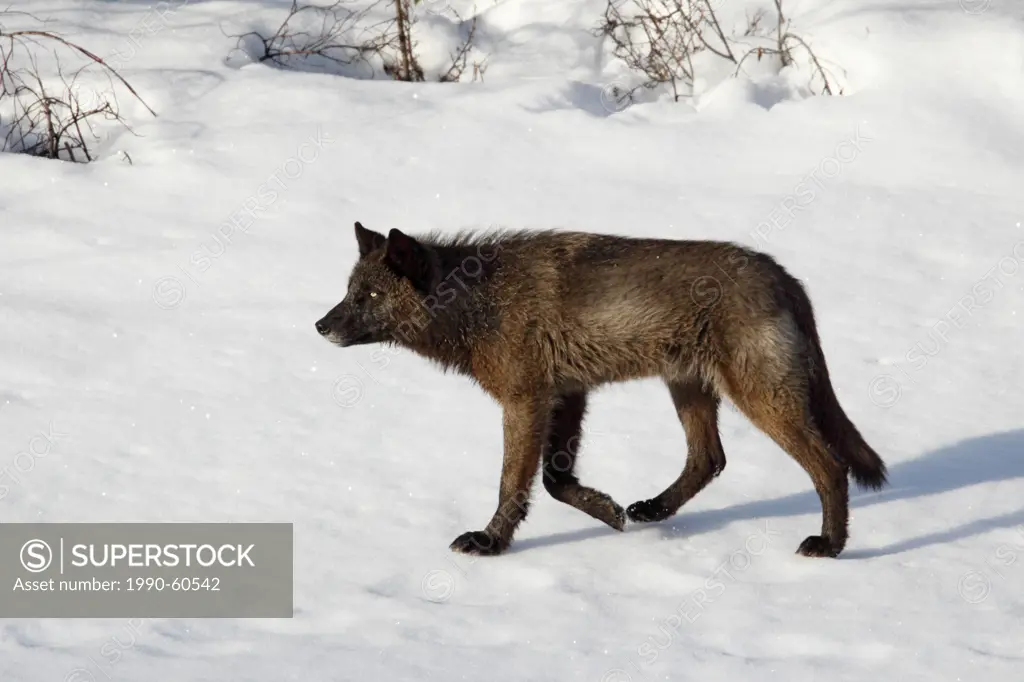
373, 294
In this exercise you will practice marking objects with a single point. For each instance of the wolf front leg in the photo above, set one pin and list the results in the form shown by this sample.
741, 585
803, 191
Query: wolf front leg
525, 426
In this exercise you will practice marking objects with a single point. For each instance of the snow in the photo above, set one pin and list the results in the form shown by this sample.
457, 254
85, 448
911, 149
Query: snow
178, 376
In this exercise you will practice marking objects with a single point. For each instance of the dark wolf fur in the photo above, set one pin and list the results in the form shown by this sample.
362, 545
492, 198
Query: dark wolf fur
538, 319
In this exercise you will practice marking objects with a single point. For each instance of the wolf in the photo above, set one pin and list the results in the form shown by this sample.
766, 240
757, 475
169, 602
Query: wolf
540, 319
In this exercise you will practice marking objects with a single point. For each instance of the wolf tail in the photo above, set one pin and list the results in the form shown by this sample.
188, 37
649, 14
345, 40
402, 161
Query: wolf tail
843, 438
866, 467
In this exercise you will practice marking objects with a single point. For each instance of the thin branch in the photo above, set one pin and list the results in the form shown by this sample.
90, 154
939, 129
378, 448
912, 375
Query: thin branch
338, 37
81, 50
461, 55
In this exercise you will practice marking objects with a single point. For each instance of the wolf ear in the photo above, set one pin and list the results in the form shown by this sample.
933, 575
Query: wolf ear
408, 258
368, 240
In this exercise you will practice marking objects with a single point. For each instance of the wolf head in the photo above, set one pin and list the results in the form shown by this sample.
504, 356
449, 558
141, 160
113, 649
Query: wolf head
385, 291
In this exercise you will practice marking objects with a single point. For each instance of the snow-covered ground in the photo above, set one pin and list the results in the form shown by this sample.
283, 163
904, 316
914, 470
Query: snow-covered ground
178, 376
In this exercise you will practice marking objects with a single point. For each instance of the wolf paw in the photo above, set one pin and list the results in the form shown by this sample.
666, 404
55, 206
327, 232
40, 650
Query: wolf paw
647, 511
610, 513
600, 506
817, 546
479, 543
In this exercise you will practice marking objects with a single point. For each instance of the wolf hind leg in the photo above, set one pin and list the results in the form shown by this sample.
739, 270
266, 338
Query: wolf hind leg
697, 407
559, 463
782, 411
799, 436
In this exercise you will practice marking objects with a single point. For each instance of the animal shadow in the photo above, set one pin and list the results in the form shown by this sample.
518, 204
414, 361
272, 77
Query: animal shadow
984, 459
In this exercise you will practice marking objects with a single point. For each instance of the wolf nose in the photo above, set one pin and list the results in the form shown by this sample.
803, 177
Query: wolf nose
322, 328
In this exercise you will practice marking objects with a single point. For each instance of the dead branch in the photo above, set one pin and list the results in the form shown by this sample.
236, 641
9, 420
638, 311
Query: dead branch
659, 39
46, 119
340, 36
461, 56
406, 67
785, 43
32, 36
479, 69
336, 36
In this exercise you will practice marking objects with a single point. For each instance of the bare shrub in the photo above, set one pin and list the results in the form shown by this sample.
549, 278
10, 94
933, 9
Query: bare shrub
336, 37
785, 43
321, 37
404, 67
460, 57
53, 118
661, 39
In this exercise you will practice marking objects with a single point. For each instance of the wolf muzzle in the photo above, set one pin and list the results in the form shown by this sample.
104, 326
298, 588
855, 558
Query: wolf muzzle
340, 331
332, 331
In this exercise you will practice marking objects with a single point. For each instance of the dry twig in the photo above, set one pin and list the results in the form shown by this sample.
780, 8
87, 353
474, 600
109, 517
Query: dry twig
49, 120
331, 33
